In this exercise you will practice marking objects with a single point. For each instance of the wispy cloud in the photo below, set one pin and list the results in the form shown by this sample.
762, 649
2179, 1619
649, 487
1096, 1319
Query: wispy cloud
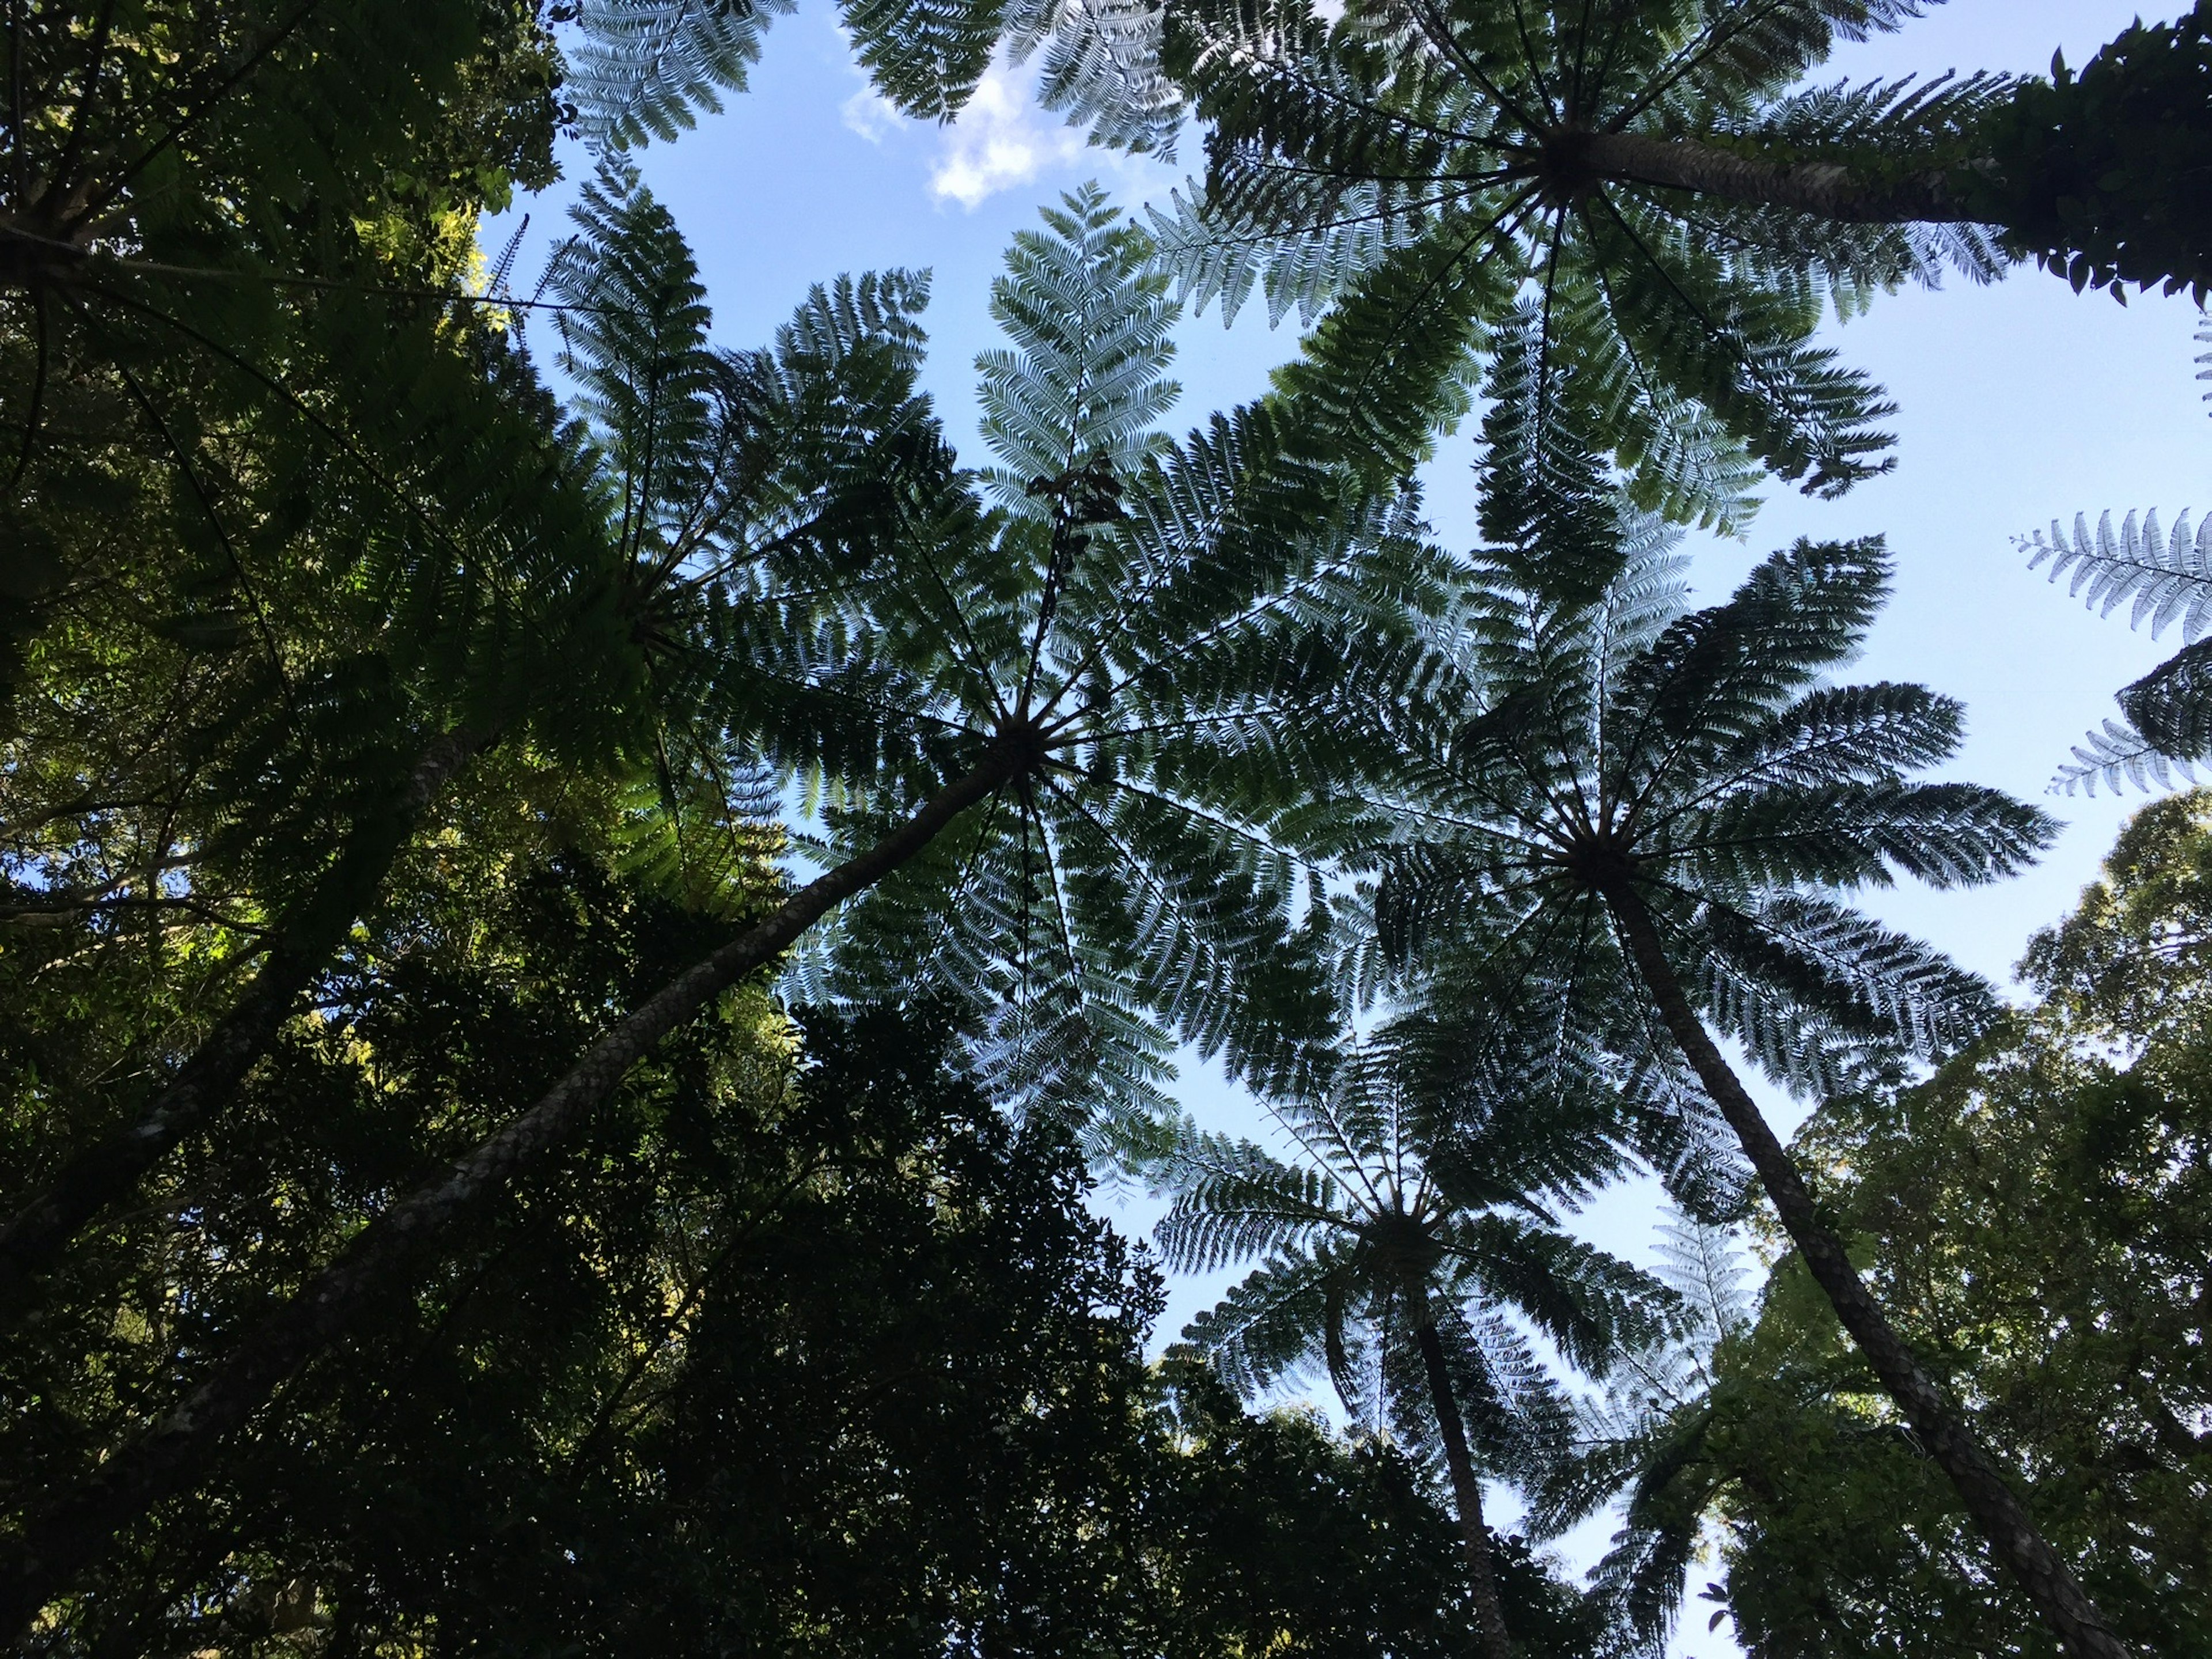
1001, 139
871, 114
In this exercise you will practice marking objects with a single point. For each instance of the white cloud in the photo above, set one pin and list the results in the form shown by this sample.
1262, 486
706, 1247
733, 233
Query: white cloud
1001, 139
871, 114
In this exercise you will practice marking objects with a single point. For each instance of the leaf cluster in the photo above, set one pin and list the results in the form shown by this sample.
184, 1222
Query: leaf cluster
2099, 173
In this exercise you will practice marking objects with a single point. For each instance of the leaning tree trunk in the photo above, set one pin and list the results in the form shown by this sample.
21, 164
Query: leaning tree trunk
75, 1530
1823, 189
305, 940
2050, 1583
1467, 1495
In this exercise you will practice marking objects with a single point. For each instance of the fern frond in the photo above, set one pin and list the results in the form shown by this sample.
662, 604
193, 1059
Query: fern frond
1235, 1202
1102, 69
648, 69
1086, 376
2118, 753
2168, 577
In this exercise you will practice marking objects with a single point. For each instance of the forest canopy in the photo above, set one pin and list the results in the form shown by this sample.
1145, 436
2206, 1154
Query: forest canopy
588, 912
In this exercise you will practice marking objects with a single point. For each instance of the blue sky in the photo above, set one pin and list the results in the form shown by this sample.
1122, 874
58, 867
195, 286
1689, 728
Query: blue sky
2019, 403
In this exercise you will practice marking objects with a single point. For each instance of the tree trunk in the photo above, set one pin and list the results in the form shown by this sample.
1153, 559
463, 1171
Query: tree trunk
1467, 1495
1823, 189
75, 1530
305, 940
1950, 1440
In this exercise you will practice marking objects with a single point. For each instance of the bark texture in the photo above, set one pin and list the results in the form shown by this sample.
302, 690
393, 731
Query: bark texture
1823, 189
1467, 1495
305, 940
76, 1530
2059, 1598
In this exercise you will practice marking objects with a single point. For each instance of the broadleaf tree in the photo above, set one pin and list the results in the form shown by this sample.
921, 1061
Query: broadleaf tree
2035, 1214
538, 605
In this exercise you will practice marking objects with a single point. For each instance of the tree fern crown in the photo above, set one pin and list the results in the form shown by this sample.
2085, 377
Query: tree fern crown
1177, 647
1605, 740
1362, 1238
1428, 167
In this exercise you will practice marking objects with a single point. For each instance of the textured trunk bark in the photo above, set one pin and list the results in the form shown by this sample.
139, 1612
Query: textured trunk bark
2049, 1583
1821, 188
76, 1530
1467, 1495
105, 1173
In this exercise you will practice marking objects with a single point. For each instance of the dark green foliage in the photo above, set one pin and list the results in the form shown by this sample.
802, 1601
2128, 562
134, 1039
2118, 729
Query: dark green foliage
467, 988
806, 1348
2036, 1216
201, 205
2105, 176
1376, 1552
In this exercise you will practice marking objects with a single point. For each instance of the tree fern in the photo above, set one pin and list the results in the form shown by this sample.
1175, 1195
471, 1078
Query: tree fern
1411, 1274
1147, 605
1065, 732
1423, 168
1656, 811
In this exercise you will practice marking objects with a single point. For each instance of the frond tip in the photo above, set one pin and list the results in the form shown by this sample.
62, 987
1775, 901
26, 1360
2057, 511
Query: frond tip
2169, 577
648, 69
2117, 754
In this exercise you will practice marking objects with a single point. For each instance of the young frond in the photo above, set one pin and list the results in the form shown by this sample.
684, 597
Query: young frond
1085, 378
1706, 1268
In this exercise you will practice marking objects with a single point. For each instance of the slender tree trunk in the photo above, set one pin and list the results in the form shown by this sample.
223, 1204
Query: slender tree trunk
2050, 1583
76, 1529
305, 940
1823, 189
1467, 1495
